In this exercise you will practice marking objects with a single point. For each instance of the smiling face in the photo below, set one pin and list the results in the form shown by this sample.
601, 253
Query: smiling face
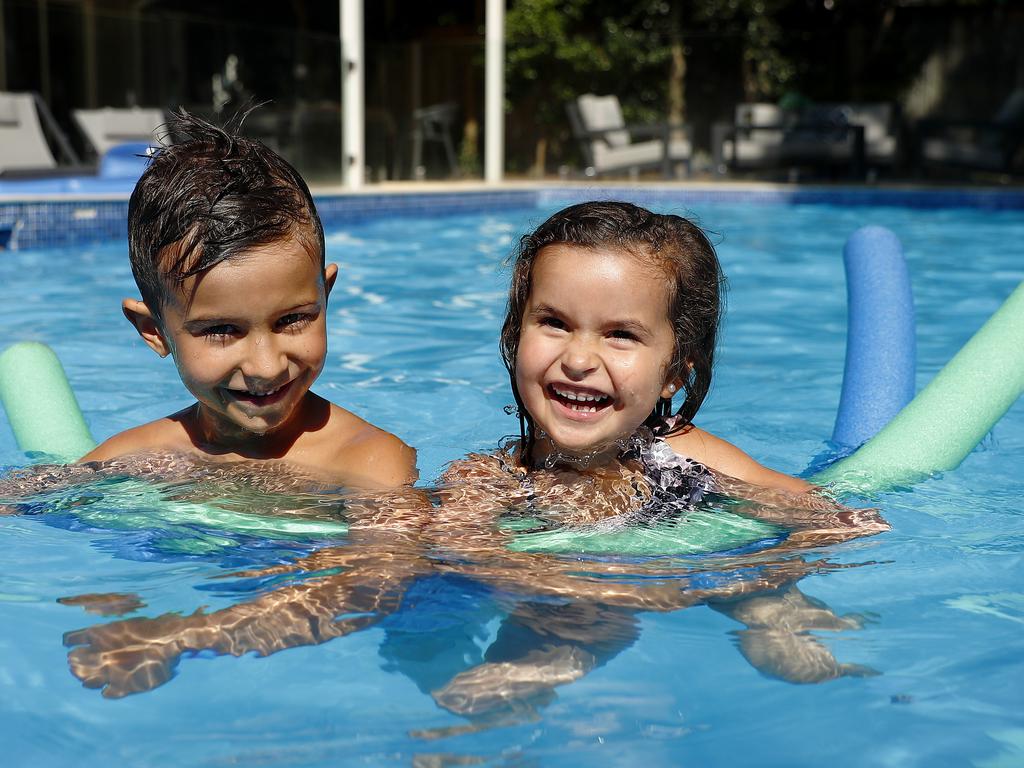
595, 347
248, 337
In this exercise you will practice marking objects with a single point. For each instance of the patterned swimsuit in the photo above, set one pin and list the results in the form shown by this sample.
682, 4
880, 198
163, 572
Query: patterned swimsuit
676, 480
675, 484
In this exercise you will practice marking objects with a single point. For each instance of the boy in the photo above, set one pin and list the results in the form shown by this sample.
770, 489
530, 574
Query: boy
227, 250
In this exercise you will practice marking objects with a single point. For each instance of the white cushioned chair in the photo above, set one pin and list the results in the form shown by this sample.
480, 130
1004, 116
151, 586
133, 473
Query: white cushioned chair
107, 127
608, 143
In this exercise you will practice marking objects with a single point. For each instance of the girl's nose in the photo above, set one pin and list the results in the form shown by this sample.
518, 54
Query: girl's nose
579, 359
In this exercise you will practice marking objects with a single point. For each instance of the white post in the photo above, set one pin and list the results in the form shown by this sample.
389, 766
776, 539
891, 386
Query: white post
494, 93
352, 99
3, 50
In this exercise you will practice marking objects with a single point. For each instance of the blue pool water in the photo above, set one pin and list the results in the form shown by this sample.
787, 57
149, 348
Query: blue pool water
414, 323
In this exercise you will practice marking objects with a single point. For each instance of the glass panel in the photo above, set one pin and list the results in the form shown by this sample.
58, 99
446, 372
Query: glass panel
424, 95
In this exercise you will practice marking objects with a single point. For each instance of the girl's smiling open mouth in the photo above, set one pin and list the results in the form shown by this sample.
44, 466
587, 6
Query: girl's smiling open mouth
579, 401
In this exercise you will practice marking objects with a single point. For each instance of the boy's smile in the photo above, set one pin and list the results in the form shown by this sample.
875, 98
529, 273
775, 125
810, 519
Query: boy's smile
248, 337
595, 346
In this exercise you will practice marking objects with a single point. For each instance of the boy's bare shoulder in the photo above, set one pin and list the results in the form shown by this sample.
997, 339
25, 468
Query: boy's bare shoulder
368, 455
347, 449
163, 435
724, 457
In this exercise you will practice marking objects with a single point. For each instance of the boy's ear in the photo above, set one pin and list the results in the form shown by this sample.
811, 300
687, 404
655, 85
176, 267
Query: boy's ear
146, 324
330, 275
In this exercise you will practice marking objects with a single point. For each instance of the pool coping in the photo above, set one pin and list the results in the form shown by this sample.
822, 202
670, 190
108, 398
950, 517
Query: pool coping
52, 220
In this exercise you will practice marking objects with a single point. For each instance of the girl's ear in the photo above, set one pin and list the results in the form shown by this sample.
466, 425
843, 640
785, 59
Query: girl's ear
330, 275
146, 324
675, 384
671, 387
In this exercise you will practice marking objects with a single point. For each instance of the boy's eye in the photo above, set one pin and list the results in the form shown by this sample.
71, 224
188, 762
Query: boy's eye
219, 331
294, 320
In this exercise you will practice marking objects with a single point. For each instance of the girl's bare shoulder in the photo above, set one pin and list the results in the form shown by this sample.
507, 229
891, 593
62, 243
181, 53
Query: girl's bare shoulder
725, 458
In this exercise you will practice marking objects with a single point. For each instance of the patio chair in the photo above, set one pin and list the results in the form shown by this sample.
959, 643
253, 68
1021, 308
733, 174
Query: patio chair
824, 136
881, 123
983, 145
25, 121
435, 124
608, 143
752, 141
110, 126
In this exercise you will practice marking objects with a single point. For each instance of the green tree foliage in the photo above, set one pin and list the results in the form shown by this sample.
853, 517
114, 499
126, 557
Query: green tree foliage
767, 69
559, 49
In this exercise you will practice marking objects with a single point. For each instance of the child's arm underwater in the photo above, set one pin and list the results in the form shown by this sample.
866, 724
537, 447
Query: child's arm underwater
19, 486
365, 583
815, 518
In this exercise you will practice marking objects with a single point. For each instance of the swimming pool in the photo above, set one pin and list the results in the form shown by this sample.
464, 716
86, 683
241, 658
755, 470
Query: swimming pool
414, 323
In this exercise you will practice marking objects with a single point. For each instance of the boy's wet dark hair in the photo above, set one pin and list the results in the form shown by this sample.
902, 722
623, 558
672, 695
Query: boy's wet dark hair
208, 197
672, 244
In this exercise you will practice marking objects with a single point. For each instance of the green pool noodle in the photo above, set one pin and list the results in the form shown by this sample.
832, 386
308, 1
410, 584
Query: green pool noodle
134, 504
949, 417
698, 532
40, 405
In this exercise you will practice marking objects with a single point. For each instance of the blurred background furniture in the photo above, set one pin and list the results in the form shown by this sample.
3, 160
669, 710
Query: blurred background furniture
861, 137
608, 143
752, 141
985, 145
881, 123
107, 127
434, 124
25, 127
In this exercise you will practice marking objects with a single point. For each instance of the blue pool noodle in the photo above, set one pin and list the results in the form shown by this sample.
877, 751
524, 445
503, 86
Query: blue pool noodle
878, 380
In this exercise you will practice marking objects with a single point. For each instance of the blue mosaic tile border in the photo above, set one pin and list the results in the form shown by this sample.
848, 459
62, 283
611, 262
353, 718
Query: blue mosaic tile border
340, 209
986, 199
62, 223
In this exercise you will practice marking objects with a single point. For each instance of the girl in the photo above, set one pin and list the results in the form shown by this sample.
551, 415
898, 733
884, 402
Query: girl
609, 341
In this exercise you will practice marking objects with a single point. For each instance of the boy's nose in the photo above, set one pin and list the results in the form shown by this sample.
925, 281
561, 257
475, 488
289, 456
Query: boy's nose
264, 360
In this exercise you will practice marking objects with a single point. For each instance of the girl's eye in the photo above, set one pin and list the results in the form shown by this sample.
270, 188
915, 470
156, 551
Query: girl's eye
553, 322
623, 335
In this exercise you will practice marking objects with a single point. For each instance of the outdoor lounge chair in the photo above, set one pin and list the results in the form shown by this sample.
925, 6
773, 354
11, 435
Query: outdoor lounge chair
880, 121
607, 142
108, 127
984, 145
434, 124
753, 141
763, 136
24, 149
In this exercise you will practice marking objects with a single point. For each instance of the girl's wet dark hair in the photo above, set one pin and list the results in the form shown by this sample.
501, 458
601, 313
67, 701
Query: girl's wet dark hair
667, 242
208, 197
